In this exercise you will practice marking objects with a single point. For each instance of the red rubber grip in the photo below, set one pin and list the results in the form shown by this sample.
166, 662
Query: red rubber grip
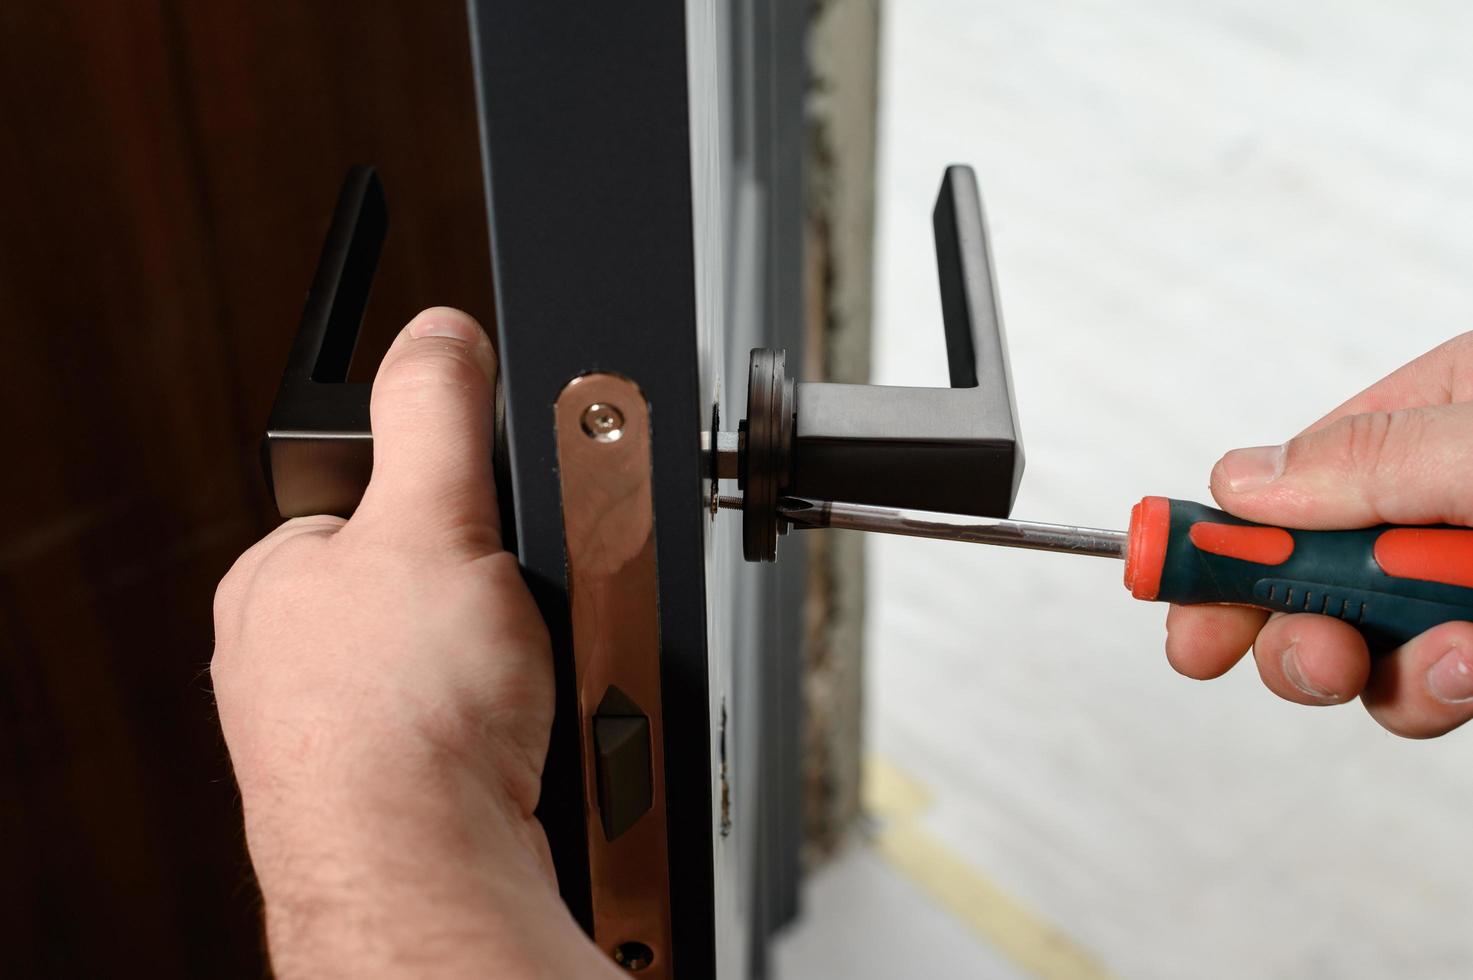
1427, 554
1145, 553
1264, 545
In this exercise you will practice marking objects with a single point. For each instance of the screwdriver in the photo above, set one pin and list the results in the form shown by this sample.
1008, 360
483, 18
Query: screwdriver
1391, 582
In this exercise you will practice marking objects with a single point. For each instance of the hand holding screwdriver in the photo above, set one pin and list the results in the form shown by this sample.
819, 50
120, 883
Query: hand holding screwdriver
1400, 452
1357, 530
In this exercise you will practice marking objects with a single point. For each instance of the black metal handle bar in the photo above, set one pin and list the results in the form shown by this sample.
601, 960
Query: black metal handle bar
318, 449
951, 450
957, 449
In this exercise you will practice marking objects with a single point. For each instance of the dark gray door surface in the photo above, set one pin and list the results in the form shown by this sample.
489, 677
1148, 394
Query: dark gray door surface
643, 176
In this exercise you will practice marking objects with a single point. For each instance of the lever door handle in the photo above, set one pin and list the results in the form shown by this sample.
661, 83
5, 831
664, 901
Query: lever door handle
954, 450
318, 449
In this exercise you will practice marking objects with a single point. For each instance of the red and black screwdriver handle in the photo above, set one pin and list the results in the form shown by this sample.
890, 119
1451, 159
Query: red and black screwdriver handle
1390, 582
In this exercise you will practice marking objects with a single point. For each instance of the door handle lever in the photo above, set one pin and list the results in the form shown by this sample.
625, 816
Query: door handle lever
955, 450
318, 451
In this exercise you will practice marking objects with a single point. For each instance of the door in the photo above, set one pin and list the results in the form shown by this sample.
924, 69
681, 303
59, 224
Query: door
644, 191
643, 185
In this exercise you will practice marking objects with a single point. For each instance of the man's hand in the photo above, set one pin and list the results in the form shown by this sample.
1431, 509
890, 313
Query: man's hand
1400, 452
385, 689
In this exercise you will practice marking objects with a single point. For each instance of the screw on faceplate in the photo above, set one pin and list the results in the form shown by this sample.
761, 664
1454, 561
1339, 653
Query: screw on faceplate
633, 956
604, 423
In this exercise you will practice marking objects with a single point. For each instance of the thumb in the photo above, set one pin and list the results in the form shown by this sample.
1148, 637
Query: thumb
433, 427
1411, 466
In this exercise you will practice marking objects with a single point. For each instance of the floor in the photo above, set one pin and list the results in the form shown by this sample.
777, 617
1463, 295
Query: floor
1211, 223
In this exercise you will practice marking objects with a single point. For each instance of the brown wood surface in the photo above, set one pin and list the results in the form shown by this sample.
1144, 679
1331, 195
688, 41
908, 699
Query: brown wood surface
167, 172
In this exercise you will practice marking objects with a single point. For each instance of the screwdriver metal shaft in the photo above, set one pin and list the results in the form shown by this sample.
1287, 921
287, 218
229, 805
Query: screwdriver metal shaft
804, 513
1390, 582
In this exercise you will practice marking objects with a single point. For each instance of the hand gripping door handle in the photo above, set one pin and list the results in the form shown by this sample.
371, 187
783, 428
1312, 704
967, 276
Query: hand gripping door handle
954, 450
318, 450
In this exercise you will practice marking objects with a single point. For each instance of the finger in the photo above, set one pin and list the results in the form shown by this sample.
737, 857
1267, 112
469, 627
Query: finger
1204, 642
1311, 659
236, 582
1409, 466
1425, 688
431, 411
1442, 376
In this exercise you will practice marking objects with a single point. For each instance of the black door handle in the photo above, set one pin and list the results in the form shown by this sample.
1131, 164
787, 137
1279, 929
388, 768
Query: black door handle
318, 449
955, 450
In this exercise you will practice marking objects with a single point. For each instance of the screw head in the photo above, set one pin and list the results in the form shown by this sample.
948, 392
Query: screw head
633, 956
603, 422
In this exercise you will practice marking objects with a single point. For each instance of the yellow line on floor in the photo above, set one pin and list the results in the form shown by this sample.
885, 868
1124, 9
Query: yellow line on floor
896, 801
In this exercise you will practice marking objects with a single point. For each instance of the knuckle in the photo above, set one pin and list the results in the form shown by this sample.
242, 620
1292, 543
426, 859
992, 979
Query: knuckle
1461, 348
220, 667
229, 590
291, 549
1365, 439
296, 561
1447, 366
275, 559
1378, 441
223, 607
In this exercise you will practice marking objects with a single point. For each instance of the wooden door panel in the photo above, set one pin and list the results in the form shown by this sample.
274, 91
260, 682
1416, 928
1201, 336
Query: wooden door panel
170, 168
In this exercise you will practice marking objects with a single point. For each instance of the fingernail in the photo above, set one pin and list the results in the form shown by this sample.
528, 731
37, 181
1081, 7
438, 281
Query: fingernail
452, 328
1249, 469
1293, 670
1451, 679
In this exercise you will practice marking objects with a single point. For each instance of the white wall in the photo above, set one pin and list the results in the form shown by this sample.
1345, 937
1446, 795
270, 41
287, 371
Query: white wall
1211, 223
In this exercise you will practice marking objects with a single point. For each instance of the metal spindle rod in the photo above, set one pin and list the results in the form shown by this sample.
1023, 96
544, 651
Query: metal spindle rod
950, 527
